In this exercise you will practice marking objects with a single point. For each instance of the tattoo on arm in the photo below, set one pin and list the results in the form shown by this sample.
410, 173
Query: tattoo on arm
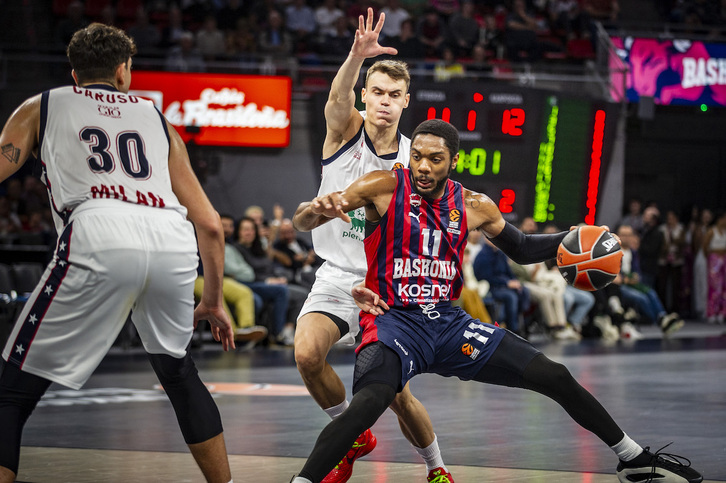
473, 202
11, 153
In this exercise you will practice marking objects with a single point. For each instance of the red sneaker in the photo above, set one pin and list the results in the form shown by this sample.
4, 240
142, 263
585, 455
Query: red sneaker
439, 475
365, 443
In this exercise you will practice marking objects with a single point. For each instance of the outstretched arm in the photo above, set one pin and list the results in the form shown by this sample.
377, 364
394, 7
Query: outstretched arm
374, 188
484, 214
341, 117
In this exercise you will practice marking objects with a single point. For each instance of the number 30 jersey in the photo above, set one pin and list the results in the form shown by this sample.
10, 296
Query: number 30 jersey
96, 142
414, 253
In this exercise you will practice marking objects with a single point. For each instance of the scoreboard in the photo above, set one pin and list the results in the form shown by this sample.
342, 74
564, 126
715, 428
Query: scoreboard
533, 152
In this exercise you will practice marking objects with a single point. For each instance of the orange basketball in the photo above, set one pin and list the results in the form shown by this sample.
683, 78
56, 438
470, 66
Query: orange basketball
467, 349
589, 258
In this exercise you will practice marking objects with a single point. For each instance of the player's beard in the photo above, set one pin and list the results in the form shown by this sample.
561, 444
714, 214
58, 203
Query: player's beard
438, 186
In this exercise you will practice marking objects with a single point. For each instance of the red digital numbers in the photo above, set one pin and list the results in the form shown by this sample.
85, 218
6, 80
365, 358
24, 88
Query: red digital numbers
507, 200
512, 121
445, 114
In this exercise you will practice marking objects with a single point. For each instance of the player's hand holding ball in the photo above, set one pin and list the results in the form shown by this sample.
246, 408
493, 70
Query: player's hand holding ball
589, 257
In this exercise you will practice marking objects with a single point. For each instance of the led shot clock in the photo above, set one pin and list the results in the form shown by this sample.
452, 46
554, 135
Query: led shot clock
533, 152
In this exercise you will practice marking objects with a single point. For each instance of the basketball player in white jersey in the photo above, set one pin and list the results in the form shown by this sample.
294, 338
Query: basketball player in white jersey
121, 188
356, 143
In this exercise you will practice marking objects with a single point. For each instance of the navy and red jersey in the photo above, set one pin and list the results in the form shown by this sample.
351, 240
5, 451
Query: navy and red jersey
414, 253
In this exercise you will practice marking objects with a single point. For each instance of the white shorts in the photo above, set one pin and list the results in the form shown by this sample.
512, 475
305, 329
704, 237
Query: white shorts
112, 258
331, 293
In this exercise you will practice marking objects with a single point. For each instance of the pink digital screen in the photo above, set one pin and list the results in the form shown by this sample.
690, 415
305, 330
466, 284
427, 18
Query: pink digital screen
677, 72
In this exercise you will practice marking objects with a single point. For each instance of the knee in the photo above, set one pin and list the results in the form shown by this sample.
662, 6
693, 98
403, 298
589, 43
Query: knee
310, 358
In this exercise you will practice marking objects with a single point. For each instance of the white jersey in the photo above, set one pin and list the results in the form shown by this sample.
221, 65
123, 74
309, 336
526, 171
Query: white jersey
91, 147
338, 242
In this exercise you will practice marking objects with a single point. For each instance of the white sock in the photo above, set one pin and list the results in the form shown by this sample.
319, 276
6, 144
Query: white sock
432, 455
337, 410
301, 480
627, 449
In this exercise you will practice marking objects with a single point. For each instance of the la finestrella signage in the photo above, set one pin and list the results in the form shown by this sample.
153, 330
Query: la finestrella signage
221, 109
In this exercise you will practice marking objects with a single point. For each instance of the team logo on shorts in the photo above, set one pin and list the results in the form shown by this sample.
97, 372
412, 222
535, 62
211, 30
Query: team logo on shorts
469, 350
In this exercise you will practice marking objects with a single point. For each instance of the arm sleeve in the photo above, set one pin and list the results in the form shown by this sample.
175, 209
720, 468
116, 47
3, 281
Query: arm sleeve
525, 249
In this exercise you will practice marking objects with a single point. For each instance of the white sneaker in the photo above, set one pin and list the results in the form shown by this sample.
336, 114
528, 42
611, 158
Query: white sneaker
671, 323
607, 329
628, 331
286, 337
567, 333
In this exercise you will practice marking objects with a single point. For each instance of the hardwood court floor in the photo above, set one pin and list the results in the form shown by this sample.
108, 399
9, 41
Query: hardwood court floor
120, 427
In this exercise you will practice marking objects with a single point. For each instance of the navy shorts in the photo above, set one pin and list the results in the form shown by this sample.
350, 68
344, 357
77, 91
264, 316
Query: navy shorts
440, 339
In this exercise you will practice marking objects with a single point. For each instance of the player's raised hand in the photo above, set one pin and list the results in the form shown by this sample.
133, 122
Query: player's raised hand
218, 321
331, 205
365, 43
368, 301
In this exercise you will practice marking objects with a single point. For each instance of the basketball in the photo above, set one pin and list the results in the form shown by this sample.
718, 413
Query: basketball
589, 258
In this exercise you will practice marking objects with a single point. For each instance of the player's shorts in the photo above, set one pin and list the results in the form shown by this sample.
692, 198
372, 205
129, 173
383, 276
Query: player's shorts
331, 294
111, 258
440, 339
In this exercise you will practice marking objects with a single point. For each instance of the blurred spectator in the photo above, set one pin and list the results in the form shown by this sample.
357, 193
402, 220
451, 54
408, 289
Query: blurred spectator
16, 199
415, 7
230, 13
269, 284
340, 41
670, 263
395, 15
146, 36
267, 230
74, 20
479, 64
326, 16
407, 43
567, 19
274, 39
492, 37
431, 32
471, 299
700, 264
445, 8
464, 30
302, 257
492, 265
651, 246
300, 22
521, 38
9, 221
637, 294
185, 57
359, 8
171, 34
260, 12
448, 67
209, 39
242, 39
605, 11
634, 216
714, 247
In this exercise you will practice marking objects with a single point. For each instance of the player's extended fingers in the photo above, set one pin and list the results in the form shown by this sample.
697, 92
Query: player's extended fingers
369, 19
379, 24
361, 25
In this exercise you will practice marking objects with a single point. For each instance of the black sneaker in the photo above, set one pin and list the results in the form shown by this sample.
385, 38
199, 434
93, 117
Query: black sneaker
658, 468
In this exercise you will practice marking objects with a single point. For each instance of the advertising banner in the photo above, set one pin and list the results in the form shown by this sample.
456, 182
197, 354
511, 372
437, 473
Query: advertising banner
221, 109
677, 72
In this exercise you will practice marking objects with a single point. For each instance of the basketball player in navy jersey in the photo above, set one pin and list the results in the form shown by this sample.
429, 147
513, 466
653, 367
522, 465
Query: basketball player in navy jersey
356, 143
121, 188
417, 221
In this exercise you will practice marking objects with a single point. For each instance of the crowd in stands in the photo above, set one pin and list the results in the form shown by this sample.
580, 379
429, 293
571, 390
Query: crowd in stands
670, 270
189, 34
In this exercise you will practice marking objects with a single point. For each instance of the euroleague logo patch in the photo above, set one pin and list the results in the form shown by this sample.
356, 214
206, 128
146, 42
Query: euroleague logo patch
469, 350
397, 166
454, 218
454, 215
